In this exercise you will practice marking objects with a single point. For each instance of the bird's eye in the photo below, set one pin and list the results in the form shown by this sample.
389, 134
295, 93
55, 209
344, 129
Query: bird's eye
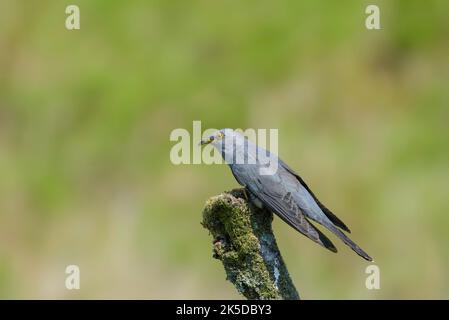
211, 138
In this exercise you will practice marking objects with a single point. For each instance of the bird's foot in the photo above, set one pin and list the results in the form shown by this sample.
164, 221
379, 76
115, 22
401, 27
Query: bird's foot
253, 199
245, 194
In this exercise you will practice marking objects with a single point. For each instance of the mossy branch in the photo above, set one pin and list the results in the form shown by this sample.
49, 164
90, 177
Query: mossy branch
244, 242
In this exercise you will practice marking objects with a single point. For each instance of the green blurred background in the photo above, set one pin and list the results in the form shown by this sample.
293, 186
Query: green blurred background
85, 118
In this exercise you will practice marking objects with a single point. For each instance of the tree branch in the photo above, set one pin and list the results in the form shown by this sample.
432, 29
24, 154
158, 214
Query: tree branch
245, 244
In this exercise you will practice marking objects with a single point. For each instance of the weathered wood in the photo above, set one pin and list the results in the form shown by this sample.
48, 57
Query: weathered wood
245, 244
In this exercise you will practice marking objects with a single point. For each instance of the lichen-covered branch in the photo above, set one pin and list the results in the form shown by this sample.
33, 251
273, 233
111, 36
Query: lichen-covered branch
244, 242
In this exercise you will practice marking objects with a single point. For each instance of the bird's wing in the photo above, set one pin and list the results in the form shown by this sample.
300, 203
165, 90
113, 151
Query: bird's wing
272, 195
296, 219
278, 193
332, 222
332, 217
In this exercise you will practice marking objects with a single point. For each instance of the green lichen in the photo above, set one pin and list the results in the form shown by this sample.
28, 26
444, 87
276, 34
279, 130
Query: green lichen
244, 242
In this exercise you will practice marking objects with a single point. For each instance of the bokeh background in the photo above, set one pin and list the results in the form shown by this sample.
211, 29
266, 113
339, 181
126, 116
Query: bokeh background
85, 118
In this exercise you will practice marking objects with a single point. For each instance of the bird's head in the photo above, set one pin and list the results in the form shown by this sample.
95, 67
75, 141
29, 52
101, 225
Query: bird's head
237, 149
217, 138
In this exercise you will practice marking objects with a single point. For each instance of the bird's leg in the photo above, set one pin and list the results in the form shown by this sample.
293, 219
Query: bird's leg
245, 194
252, 199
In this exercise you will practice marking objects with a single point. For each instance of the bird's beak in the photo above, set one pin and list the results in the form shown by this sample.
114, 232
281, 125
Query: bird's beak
205, 141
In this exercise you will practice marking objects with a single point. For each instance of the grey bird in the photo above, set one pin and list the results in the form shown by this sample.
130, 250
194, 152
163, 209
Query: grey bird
282, 191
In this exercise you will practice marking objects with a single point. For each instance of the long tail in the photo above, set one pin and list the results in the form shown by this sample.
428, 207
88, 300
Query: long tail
348, 241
